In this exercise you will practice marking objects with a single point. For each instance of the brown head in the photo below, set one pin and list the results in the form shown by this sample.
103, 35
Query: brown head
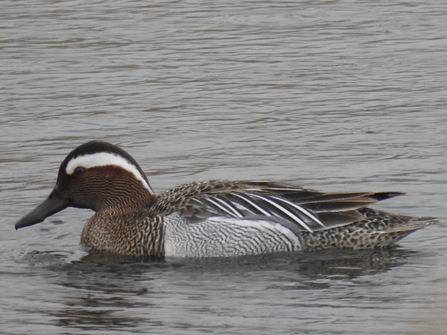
99, 176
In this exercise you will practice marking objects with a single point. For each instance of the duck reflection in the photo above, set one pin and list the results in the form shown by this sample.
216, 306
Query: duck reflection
103, 291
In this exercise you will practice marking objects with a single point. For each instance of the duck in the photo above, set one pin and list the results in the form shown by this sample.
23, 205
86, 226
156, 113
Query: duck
214, 218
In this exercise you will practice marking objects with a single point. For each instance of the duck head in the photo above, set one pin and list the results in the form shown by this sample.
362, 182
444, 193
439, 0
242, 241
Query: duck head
96, 175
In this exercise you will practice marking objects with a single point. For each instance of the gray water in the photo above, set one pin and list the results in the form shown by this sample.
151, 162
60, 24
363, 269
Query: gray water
331, 95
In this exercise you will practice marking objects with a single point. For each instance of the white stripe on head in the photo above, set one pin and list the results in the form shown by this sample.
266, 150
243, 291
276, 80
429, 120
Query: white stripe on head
104, 159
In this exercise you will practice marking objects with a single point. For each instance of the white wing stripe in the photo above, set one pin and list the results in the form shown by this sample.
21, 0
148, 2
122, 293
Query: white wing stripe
224, 206
285, 211
302, 210
229, 205
262, 210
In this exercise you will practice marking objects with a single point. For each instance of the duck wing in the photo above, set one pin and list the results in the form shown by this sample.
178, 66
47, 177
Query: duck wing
297, 208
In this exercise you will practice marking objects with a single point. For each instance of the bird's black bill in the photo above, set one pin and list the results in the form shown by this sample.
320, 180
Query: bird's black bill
53, 204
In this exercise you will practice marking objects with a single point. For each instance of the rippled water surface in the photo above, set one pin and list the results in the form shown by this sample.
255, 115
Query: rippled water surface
332, 95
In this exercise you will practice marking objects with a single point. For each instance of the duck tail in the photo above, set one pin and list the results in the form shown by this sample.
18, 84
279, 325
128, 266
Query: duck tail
367, 234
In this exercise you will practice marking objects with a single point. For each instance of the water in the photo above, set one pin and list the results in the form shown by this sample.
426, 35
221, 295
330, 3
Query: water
332, 95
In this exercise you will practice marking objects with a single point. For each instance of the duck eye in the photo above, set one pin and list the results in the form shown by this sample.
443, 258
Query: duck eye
79, 170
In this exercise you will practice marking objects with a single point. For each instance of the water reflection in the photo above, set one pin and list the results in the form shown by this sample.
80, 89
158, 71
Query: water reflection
83, 316
103, 291
101, 295
341, 263
351, 264
107, 292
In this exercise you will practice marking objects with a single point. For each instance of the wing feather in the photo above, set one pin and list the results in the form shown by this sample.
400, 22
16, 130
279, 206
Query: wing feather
302, 208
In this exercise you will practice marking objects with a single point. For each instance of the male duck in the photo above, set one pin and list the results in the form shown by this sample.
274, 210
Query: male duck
216, 218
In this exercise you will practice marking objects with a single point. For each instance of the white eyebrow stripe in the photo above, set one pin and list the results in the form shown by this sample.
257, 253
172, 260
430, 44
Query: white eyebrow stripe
104, 159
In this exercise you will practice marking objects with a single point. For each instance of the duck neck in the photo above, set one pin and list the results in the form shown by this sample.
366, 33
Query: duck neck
124, 195
126, 203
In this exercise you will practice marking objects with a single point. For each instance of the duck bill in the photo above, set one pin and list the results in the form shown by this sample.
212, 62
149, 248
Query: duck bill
53, 204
